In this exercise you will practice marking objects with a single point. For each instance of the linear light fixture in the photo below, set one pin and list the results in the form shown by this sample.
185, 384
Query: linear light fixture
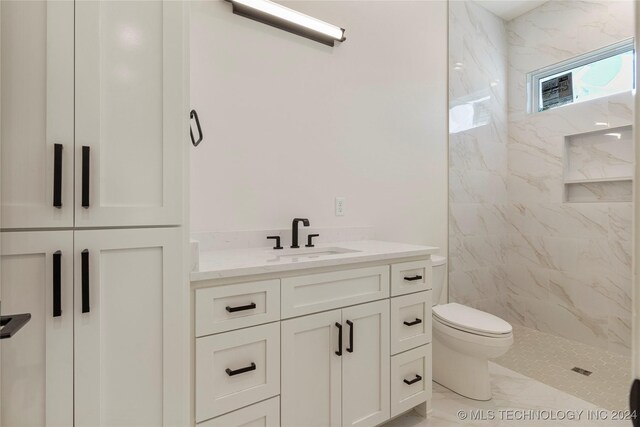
281, 17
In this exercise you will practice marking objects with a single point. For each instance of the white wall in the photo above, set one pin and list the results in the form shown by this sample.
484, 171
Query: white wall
289, 123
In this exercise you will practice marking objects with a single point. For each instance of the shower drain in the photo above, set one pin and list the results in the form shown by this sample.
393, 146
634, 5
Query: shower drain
581, 371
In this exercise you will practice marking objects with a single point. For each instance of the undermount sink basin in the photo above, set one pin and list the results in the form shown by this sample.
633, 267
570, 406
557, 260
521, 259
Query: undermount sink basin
311, 252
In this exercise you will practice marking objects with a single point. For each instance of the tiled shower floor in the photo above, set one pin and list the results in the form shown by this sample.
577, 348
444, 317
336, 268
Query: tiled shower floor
548, 358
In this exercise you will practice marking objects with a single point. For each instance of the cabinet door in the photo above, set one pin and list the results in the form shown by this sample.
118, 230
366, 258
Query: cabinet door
131, 117
366, 364
311, 385
36, 75
128, 293
36, 386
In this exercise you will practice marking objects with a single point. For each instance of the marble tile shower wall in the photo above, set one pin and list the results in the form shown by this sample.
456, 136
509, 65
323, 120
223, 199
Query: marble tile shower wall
568, 264
516, 248
478, 232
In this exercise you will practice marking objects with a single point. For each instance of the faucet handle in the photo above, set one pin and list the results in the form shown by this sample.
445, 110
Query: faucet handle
277, 246
310, 240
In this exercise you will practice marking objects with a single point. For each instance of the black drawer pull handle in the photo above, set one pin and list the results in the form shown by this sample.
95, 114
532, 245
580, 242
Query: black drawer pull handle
413, 381
411, 279
350, 347
339, 326
12, 324
57, 175
249, 368
241, 307
415, 322
85, 281
57, 284
194, 115
86, 160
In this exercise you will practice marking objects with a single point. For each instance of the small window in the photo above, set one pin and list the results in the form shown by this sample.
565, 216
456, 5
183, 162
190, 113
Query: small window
600, 73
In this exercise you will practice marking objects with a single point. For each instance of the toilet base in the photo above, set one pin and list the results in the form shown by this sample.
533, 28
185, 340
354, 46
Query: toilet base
464, 374
461, 358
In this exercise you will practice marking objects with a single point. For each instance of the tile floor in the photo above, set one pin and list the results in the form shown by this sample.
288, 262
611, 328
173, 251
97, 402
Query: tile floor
548, 358
515, 396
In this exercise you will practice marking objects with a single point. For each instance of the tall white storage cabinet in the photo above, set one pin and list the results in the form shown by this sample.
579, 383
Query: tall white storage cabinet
94, 126
127, 284
130, 113
36, 386
37, 113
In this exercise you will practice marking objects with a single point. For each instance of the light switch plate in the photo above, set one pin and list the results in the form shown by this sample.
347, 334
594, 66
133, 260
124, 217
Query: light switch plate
340, 201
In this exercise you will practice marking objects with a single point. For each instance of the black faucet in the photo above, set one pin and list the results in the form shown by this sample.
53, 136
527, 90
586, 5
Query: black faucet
294, 230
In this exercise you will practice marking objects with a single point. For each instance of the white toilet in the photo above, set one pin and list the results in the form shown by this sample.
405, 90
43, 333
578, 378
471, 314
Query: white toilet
464, 339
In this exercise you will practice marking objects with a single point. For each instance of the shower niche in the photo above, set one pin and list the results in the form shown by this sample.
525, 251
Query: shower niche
598, 166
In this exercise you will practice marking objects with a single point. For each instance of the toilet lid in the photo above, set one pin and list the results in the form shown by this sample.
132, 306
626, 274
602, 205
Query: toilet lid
469, 319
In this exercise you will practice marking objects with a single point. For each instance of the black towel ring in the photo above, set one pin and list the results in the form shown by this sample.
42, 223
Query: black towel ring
194, 115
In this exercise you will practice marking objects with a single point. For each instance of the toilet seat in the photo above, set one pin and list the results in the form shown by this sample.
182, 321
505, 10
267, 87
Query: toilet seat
472, 321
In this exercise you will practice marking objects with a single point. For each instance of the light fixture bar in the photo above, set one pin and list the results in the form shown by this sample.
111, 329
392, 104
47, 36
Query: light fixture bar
282, 17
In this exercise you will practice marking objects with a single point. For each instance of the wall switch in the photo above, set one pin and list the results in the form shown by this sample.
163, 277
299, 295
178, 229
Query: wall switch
340, 206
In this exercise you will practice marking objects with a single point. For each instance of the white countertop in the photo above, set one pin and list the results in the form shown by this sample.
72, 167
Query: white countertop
243, 262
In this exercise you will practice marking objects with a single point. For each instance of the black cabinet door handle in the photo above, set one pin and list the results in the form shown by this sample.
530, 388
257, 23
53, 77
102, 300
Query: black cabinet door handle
249, 368
350, 347
57, 284
411, 279
86, 161
12, 324
85, 281
413, 381
241, 308
415, 322
57, 175
339, 326
194, 115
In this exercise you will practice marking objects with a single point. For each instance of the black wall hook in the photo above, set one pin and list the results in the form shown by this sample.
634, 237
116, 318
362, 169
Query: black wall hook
194, 115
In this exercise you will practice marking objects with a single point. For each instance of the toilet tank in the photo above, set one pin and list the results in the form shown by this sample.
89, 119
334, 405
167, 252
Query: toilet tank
439, 265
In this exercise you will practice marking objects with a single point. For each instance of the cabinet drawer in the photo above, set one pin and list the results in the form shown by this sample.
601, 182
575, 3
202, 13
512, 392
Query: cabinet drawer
410, 321
413, 367
263, 414
326, 291
224, 308
408, 277
236, 369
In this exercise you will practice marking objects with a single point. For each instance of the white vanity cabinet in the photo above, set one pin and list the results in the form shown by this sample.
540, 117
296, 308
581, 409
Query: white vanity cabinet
263, 414
365, 364
337, 367
349, 353
237, 369
410, 379
312, 378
